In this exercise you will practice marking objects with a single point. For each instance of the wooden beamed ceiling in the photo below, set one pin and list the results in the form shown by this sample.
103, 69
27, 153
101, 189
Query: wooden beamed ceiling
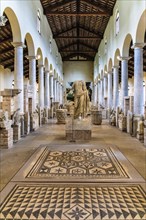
77, 26
79, 23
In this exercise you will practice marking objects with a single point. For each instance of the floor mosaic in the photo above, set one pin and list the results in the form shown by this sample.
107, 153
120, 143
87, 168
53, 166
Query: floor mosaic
85, 163
74, 202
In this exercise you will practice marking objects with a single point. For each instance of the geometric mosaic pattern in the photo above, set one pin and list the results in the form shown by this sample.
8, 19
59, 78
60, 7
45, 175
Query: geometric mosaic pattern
71, 202
88, 163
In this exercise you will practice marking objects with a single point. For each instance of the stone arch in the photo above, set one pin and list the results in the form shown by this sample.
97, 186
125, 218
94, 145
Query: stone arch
40, 56
55, 74
16, 31
141, 29
101, 74
46, 63
105, 70
117, 54
110, 65
30, 45
51, 69
126, 45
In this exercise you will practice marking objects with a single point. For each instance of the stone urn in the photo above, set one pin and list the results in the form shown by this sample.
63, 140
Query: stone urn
96, 116
61, 115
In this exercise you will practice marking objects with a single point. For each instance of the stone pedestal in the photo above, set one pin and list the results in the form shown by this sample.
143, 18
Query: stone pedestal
126, 105
123, 123
131, 103
55, 106
78, 129
16, 132
27, 123
96, 117
34, 118
129, 122
61, 115
140, 130
136, 118
6, 132
104, 113
8, 100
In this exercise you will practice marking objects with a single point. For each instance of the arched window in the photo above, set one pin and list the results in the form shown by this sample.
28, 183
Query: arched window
117, 23
39, 21
105, 46
50, 44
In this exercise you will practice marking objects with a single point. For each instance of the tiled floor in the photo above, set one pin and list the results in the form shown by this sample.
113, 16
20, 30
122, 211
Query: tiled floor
33, 190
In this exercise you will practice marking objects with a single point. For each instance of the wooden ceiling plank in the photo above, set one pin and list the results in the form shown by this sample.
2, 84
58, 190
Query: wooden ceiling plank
9, 39
57, 6
84, 14
6, 50
97, 6
76, 37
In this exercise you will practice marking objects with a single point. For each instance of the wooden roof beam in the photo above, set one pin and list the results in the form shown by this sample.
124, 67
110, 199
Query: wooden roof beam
75, 51
9, 39
64, 32
82, 14
80, 27
58, 5
75, 43
97, 6
6, 50
75, 37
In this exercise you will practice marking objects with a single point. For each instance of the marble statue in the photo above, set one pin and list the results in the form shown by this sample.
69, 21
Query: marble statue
140, 128
81, 99
16, 117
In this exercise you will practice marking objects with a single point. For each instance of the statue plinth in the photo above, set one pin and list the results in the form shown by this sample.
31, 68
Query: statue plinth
78, 129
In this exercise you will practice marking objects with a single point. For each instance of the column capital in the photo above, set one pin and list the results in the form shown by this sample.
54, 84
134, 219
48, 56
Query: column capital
31, 57
40, 65
115, 67
138, 45
109, 72
18, 44
47, 71
124, 58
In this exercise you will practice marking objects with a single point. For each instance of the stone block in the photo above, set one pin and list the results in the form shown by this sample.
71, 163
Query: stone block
16, 132
78, 129
123, 123
136, 118
61, 115
96, 117
129, 122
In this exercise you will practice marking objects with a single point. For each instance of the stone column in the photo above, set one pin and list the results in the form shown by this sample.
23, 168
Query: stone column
18, 74
51, 94
32, 79
116, 87
110, 90
51, 87
41, 85
102, 91
96, 94
138, 79
47, 98
55, 89
124, 79
105, 86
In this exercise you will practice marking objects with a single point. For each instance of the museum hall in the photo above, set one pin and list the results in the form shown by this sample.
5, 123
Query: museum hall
73, 110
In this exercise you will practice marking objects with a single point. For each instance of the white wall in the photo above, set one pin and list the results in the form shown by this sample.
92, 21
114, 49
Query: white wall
77, 70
